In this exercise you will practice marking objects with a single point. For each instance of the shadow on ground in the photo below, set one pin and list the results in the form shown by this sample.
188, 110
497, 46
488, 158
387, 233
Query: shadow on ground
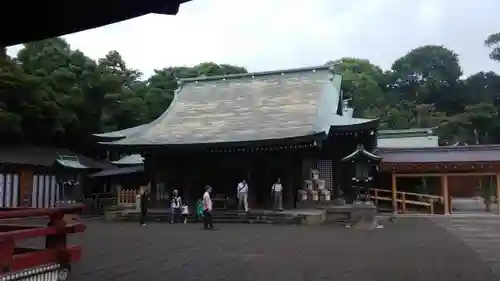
412, 249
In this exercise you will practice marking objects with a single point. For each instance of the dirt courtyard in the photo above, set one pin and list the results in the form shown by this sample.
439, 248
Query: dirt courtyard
409, 249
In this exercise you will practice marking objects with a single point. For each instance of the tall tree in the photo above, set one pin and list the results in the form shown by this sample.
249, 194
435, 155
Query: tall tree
362, 82
493, 42
429, 74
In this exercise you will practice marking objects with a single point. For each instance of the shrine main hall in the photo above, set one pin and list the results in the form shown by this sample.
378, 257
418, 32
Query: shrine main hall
289, 124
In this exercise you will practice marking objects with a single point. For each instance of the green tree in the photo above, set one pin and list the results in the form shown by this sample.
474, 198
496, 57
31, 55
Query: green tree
493, 42
362, 82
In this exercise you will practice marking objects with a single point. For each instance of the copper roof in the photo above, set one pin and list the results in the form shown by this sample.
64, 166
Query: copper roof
442, 154
271, 105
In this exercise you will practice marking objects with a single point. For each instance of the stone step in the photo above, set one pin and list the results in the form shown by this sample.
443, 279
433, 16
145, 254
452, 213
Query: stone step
219, 218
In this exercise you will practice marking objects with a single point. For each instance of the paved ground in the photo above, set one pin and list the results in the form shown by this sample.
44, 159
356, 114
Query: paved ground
481, 233
410, 249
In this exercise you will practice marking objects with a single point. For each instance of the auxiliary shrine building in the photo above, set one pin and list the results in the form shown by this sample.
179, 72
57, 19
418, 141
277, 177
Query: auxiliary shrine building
287, 124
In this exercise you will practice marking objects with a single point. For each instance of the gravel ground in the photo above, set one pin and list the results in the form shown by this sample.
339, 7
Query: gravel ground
409, 249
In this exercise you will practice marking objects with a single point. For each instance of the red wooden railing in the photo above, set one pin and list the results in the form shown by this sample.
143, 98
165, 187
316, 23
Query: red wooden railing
56, 254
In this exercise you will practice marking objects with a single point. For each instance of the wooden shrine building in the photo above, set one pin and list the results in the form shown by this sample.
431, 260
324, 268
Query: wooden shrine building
456, 168
256, 126
32, 176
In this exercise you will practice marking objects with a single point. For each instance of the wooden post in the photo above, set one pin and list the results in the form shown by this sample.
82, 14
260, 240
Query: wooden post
403, 203
444, 186
498, 193
394, 194
25, 187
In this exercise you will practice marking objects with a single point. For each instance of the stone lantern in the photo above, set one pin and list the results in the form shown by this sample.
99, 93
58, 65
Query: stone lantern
361, 165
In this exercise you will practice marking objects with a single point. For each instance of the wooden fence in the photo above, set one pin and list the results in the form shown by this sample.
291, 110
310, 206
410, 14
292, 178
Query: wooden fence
406, 198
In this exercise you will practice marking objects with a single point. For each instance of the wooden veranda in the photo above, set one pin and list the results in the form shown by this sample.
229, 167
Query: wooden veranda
442, 163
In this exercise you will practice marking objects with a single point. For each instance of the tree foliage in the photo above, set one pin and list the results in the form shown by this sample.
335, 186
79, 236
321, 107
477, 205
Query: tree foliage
51, 94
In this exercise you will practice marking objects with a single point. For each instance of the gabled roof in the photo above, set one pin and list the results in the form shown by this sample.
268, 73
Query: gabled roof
134, 159
442, 154
71, 162
271, 105
44, 156
119, 171
361, 153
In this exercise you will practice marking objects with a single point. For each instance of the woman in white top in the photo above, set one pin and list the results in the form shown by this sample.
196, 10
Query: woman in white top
176, 205
207, 208
277, 192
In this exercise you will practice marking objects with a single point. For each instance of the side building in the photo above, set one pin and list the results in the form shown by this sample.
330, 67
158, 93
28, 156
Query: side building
286, 124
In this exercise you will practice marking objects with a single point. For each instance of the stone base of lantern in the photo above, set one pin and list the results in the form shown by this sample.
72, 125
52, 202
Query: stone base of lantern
338, 201
363, 216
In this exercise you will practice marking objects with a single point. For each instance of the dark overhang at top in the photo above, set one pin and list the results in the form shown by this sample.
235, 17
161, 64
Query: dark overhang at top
56, 18
252, 108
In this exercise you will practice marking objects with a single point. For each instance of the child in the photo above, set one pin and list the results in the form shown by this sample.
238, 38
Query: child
185, 212
199, 209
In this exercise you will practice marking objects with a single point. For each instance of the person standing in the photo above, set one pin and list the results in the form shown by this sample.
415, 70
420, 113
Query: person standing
175, 206
143, 201
242, 194
207, 209
277, 193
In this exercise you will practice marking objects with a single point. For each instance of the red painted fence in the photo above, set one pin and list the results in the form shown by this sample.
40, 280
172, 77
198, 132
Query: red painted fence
51, 262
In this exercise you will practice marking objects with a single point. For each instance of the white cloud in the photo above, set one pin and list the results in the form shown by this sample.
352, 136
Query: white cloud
265, 34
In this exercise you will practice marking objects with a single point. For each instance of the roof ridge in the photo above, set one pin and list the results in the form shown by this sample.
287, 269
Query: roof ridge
410, 130
259, 73
481, 147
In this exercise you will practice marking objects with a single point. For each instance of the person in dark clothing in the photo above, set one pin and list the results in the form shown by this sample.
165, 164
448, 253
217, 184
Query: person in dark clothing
144, 198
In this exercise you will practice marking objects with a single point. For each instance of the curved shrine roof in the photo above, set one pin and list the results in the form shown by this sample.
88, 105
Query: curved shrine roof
246, 107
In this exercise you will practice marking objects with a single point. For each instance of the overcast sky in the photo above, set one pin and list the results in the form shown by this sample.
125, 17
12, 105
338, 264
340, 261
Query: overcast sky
280, 34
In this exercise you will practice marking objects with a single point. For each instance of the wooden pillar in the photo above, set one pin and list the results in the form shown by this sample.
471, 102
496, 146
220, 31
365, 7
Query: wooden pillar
297, 180
251, 178
151, 169
187, 180
394, 194
336, 190
444, 186
498, 192
25, 187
